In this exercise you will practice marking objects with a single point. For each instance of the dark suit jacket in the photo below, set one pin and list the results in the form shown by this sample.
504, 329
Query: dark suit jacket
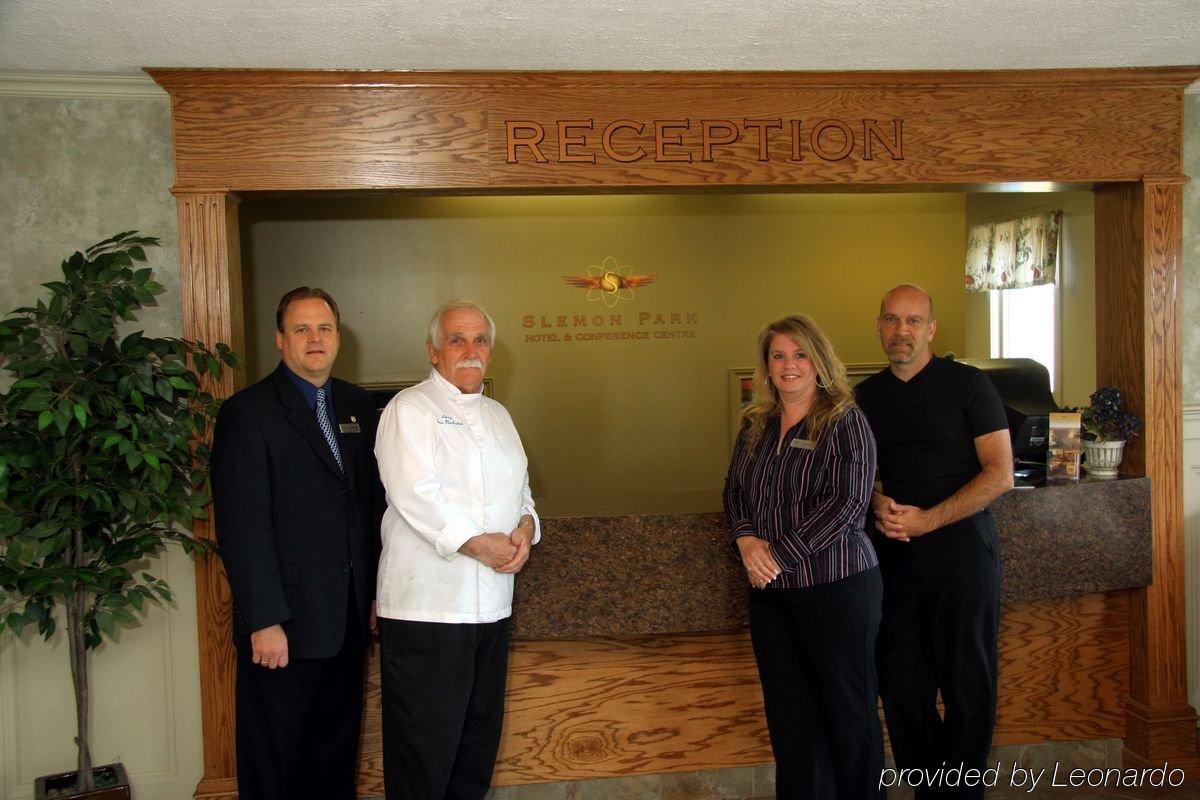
293, 530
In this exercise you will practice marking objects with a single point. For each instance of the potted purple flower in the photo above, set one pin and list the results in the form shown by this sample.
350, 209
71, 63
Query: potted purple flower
1107, 428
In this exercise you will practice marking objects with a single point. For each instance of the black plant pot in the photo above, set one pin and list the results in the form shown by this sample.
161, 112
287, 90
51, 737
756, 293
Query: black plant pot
110, 776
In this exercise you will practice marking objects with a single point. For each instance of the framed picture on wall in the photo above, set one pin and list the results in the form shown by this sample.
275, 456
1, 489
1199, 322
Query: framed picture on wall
741, 390
741, 394
382, 392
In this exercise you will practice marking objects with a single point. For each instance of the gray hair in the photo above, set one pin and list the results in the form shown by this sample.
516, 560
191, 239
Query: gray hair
435, 324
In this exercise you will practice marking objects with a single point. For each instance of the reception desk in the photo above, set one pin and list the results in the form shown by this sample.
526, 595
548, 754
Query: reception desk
630, 653
675, 573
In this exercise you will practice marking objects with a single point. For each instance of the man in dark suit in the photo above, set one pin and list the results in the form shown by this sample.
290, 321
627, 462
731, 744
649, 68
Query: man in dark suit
298, 502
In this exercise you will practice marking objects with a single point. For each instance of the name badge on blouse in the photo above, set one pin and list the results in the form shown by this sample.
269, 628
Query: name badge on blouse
803, 444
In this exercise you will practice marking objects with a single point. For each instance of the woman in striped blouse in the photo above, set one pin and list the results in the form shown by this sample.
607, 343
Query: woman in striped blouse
796, 498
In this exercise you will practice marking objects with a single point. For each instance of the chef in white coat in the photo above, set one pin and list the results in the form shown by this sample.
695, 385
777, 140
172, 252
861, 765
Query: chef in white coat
459, 525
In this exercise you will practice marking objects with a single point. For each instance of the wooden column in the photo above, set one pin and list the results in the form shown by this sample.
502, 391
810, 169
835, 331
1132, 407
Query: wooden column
1138, 247
211, 279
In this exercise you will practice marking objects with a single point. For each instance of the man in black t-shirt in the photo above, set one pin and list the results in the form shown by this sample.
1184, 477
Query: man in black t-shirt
944, 455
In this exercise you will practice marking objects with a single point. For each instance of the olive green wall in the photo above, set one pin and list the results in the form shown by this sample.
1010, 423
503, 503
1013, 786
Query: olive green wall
606, 422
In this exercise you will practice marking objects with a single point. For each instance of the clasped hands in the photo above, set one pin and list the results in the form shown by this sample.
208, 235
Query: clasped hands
760, 563
898, 521
502, 552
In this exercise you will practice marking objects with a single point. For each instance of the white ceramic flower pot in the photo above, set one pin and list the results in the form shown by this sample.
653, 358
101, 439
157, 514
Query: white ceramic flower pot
1103, 458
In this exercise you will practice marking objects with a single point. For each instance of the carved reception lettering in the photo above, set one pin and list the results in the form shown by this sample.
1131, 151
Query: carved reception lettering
707, 140
670, 132
713, 132
571, 136
623, 156
517, 137
832, 154
763, 126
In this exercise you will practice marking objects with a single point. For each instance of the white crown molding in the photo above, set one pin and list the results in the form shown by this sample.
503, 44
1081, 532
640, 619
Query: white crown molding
109, 85
80, 85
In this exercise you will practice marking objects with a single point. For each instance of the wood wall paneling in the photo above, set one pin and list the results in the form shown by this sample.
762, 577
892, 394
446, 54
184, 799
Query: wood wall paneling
1064, 669
266, 131
321, 139
210, 277
305, 131
1138, 241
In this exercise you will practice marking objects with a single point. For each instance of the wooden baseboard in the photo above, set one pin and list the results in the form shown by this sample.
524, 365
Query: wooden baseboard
217, 789
1158, 734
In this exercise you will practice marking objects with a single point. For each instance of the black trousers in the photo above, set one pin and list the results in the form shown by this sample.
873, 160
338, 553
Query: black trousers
443, 705
815, 649
941, 616
298, 727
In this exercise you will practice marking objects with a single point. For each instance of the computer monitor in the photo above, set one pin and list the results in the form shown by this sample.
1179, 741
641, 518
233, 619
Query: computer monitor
1024, 387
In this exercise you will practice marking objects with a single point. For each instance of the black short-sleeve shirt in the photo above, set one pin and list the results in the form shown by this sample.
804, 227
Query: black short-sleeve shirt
925, 428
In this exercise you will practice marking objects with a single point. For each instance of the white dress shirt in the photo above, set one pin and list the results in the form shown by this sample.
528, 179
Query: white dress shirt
453, 467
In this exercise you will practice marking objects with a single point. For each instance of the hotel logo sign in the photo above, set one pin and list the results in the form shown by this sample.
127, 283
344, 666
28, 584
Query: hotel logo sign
610, 283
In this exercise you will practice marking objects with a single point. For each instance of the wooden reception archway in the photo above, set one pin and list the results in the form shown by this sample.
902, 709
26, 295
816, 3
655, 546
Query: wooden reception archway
1116, 131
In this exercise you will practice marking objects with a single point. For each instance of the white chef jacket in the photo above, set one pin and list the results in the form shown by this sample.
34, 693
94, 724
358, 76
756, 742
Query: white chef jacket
453, 467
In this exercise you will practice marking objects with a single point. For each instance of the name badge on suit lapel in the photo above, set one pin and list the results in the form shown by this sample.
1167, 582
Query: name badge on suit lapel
350, 427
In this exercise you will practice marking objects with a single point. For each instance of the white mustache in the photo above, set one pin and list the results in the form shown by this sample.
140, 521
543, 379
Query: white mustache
469, 363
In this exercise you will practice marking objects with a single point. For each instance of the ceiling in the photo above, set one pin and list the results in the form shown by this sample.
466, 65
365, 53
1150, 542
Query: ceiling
120, 36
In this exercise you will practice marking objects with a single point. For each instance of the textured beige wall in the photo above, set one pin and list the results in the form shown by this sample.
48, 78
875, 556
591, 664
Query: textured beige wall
605, 422
1191, 250
1076, 286
73, 172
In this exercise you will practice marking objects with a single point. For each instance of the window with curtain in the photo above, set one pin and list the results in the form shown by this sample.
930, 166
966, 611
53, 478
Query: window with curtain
1014, 253
1016, 261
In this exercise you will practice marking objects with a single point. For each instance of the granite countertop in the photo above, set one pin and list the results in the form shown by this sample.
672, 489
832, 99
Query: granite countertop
624, 576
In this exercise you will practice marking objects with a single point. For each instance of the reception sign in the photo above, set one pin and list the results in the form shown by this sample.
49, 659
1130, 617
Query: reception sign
586, 131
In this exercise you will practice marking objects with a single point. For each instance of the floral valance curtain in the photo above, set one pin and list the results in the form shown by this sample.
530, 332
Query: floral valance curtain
1014, 253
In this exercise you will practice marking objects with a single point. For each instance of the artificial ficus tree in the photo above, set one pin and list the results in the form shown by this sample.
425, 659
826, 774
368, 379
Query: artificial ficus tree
103, 455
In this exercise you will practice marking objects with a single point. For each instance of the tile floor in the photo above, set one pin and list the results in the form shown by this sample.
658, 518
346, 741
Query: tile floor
1187, 791
758, 783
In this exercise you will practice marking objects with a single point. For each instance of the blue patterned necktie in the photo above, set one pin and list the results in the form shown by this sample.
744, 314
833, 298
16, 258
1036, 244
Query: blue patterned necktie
327, 428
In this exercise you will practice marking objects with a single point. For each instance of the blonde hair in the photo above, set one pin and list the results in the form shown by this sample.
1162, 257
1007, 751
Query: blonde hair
833, 395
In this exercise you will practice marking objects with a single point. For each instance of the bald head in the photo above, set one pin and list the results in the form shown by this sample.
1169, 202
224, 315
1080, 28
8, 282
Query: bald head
908, 291
906, 327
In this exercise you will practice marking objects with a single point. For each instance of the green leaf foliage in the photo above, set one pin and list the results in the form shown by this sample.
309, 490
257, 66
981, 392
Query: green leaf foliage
102, 458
